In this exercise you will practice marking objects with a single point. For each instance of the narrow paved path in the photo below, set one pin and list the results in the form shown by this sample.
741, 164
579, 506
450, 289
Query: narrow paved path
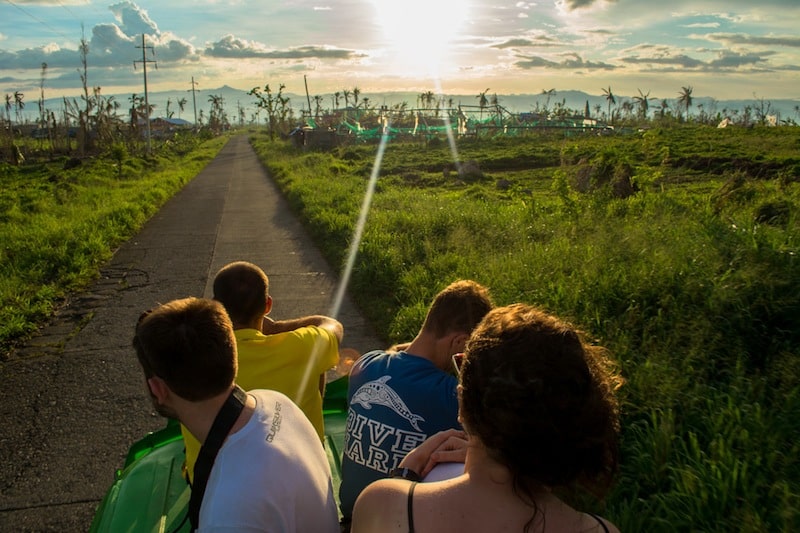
73, 399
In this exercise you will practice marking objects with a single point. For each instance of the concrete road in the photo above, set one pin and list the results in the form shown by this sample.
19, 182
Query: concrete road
72, 400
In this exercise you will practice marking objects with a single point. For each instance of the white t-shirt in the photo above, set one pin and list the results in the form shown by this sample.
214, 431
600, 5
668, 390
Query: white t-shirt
443, 471
272, 475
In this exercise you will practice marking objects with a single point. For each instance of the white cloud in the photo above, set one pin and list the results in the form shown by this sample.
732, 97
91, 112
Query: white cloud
233, 47
133, 19
729, 39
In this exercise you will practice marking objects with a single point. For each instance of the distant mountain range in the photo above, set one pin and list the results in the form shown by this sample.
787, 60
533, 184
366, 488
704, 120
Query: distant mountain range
235, 99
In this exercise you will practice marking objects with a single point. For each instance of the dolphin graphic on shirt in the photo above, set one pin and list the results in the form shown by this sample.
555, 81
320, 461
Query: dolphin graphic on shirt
377, 392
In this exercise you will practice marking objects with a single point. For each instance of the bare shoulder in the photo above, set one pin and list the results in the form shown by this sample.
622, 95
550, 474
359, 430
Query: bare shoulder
600, 523
381, 506
611, 527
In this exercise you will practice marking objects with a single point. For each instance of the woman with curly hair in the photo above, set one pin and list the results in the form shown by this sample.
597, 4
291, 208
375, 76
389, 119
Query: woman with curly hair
538, 406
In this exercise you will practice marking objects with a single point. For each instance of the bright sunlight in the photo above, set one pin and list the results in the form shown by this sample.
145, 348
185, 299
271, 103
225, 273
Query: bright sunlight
420, 32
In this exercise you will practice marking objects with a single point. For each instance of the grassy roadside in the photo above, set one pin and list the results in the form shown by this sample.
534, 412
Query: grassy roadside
58, 225
693, 282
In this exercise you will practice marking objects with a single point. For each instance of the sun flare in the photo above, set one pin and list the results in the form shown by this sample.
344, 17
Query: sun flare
420, 32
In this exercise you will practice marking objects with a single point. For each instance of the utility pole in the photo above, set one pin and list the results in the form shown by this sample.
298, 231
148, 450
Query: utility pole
194, 101
305, 80
144, 63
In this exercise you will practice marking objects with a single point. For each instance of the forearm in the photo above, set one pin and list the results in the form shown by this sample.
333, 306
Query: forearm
271, 327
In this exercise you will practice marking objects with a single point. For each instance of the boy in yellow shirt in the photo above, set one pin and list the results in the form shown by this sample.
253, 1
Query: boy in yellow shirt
288, 356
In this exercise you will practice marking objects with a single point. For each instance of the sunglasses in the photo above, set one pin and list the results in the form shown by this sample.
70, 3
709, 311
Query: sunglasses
458, 360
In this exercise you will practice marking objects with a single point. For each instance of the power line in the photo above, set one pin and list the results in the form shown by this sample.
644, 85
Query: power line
102, 40
69, 11
37, 19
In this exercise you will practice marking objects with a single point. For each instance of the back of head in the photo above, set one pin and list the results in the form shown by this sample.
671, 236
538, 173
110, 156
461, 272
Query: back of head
243, 288
459, 307
541, 400
188, 343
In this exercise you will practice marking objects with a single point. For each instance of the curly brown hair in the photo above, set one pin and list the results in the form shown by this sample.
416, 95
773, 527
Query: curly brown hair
542, 401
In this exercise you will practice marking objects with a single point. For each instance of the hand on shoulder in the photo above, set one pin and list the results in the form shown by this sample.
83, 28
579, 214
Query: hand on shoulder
449, 446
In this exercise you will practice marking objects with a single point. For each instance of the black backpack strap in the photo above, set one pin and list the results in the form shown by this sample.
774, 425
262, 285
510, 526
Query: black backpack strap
222, 425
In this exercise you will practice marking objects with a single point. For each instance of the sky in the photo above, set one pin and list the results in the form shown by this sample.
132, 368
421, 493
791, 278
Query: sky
725, 49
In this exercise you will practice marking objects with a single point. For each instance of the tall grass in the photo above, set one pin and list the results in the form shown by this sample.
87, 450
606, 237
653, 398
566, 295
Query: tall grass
59, 225
693, 283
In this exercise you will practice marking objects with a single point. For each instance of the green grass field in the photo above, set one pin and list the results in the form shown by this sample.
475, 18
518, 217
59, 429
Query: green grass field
677, 249
690, 275
58, 225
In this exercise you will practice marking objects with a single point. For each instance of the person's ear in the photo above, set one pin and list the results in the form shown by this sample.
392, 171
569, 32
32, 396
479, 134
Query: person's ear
458, 342
158, 388
269, 305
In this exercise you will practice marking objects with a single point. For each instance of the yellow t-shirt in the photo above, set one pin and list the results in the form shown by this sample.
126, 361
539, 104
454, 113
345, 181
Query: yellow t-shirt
289, 362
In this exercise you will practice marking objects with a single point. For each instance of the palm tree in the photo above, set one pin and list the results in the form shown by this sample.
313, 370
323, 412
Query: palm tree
181, 104
111, 105
216, 116
548, 93
685, 99
611, 100
346, 94
664, 107
19, 104
627, 109
643, 101
356, 93
9, 105
215, 100
483, 101
317, 104
169, 113
134, 100
336, 97
496, 104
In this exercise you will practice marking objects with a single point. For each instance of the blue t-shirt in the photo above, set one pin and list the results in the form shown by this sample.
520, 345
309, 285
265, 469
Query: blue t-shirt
396, 401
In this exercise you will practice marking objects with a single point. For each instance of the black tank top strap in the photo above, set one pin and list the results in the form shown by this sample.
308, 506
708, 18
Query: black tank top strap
411, 506
599, 521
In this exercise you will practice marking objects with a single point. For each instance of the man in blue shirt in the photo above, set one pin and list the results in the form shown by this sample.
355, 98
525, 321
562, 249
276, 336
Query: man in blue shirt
398, 399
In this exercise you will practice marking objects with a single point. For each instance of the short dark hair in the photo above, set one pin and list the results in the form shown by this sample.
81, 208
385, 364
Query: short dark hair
541, 400
459, 307
243, 288
188, 343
